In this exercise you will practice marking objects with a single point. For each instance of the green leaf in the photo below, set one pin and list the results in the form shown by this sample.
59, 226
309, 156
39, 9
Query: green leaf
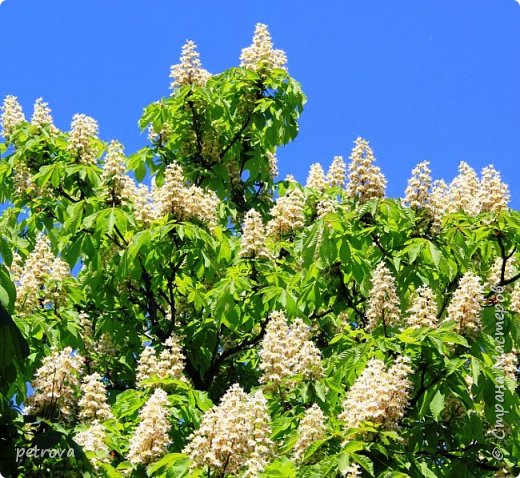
426, 472
281, 468
109, 471
7, 290
364, 461
452, 338
13, 346
173, 465
437, 405
128, 403
435, 253
319, 388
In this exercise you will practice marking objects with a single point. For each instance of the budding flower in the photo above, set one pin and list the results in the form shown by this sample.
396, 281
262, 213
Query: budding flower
366, 181
150, 440
233, 437
466, 304
189, 71
12, 115
55, 386
311, 429
417, 192
379, 395
84, 130
316, 178
261, 56
93, 403
383, 302
423, 311
252, 243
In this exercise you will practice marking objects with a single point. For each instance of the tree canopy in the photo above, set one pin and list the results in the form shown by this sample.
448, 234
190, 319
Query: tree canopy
182, 312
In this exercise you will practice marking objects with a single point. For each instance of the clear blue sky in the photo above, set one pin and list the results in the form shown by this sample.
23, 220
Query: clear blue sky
420, 79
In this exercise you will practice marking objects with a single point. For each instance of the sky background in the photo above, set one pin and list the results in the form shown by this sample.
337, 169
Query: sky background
435, 80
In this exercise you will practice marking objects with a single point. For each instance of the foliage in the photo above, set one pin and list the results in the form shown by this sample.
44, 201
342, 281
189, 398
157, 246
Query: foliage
137, 281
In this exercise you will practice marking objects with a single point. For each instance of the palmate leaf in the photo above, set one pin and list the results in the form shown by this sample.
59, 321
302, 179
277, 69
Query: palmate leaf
13, 346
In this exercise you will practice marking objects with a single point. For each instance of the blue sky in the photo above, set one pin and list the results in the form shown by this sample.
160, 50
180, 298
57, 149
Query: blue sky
435, 80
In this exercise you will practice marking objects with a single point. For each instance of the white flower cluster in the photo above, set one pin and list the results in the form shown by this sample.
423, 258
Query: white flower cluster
383, 302
311, 429
273, 163
55, 386
438, 203
120, 188
24, 184
189, 71
102, 345
379, 395
234, 436
261, 56
423, 311
93, 440
150, 439
509, 364
113, 174
465, 193
169, 363
495, 274
325, 206
84, 130
93, 403
466, 304
469, 194
335, 175
287, 351
316, 178
515, 298
464, 189
352, 471
141, 198
185, 202
252, 242
12, 115
31, 277
287, 214
365, 180
42, 115
418, 189
493, 193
